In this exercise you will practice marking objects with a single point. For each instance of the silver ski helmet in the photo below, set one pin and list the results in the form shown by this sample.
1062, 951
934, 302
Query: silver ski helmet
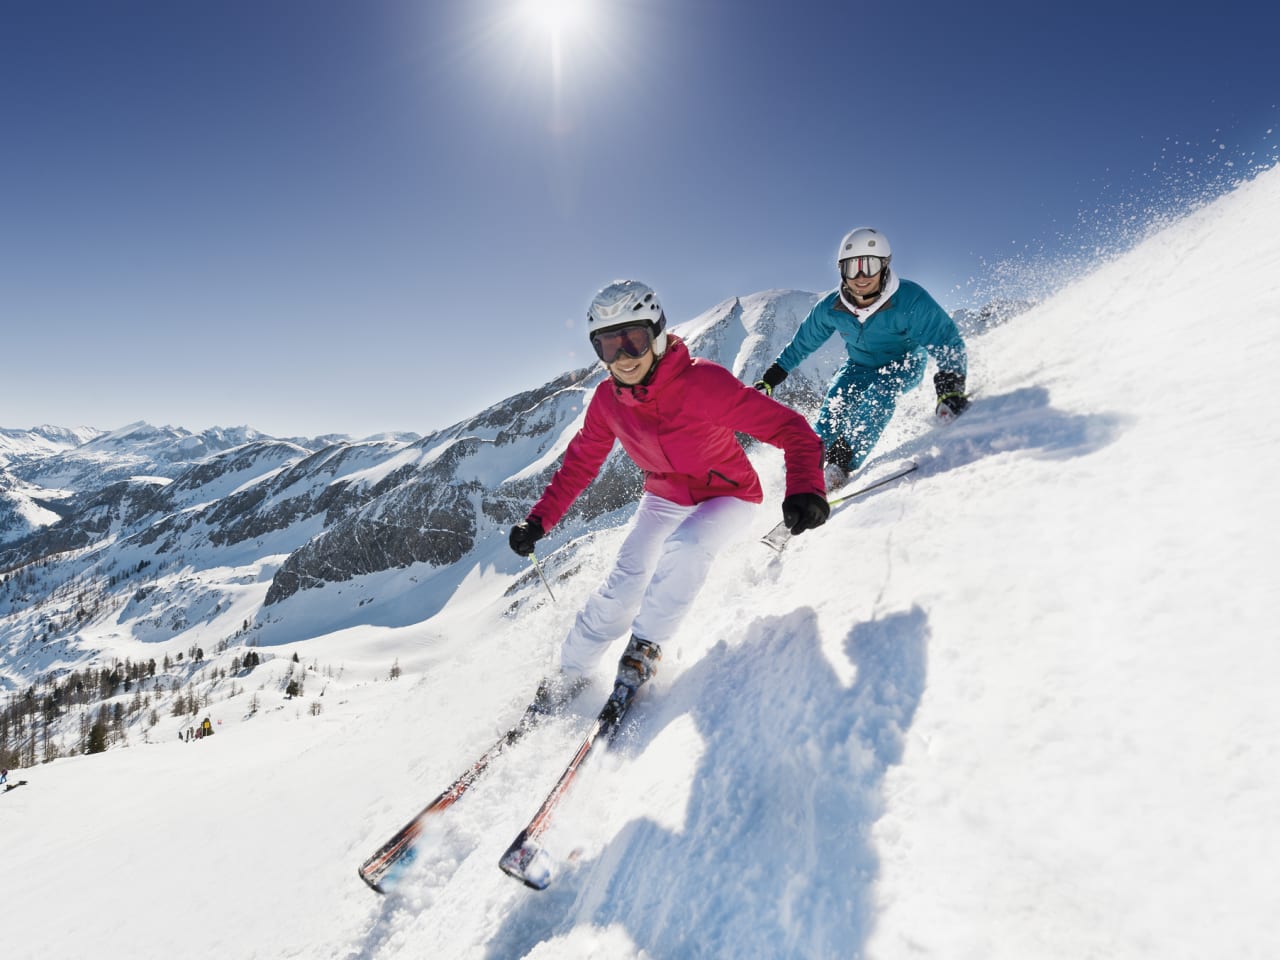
861, 243
625, 303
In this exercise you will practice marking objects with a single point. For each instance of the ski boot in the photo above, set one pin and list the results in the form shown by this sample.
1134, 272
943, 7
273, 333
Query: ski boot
835, 477
639, 662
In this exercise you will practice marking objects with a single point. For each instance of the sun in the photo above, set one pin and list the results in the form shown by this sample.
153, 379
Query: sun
558, 19
564, 26
557, 53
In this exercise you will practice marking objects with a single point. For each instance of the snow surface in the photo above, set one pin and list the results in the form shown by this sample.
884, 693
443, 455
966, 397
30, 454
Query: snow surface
1022, 706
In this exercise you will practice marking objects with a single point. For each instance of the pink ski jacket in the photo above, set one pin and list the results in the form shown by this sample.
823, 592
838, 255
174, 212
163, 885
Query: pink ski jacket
679, 429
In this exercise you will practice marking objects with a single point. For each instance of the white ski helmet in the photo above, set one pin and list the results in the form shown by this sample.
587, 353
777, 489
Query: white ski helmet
865, 242
624, 303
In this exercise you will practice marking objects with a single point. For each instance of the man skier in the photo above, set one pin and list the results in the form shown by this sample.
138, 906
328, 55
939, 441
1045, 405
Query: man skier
890, 327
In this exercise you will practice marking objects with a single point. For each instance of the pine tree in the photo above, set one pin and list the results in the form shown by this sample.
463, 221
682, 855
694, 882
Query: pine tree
97, 742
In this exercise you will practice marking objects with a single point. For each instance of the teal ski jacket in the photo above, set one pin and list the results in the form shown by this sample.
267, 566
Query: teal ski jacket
911, 319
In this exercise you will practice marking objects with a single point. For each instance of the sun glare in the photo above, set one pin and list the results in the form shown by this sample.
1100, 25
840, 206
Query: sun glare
557, 52
563, 25
558, 18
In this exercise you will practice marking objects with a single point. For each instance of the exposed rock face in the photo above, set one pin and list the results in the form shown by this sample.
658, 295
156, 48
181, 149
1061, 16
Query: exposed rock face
424, 524
90, 518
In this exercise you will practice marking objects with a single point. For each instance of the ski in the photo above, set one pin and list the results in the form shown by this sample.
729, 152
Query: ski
780, 536
526, 859
397, 853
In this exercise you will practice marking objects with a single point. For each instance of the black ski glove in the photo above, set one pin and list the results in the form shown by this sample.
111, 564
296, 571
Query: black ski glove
525, 535
772, 377
951, 396
804, 511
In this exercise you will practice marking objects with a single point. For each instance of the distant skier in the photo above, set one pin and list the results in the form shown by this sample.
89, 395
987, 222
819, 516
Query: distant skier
676, 417
887, 325
4, 777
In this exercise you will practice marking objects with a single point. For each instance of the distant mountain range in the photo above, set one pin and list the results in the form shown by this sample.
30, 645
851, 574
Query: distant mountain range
21, 446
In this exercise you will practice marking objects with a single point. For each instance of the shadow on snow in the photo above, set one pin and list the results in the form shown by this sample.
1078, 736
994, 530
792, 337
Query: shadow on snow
1019, 421
774, 858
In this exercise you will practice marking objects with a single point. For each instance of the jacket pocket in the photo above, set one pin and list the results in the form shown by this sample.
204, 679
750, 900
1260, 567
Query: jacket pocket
714, 475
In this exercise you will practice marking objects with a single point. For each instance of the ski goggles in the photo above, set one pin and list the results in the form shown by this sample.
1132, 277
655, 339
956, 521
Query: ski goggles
634, 341
862, 267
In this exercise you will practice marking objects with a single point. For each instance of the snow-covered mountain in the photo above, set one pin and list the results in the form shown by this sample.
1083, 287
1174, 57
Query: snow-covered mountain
21, 446
138, 449
26, 507
1017, 707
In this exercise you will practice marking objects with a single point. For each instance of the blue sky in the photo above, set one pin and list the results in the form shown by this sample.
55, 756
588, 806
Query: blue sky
318, 216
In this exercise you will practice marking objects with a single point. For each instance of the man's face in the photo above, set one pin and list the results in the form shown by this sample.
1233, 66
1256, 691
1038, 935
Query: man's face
862, 276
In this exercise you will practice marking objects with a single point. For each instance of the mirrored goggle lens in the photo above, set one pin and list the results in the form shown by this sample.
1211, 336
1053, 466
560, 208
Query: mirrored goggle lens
633, 341
862, 266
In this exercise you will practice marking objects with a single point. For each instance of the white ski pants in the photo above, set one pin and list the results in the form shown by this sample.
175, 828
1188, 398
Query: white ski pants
660, 568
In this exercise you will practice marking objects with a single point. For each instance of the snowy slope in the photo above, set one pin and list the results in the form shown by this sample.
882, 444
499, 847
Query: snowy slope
1021, 706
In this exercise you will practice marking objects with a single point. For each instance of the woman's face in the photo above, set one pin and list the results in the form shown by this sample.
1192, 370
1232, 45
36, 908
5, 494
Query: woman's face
631, 370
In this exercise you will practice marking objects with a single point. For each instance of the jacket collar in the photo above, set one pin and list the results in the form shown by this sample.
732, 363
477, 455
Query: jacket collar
669, 366
862, 314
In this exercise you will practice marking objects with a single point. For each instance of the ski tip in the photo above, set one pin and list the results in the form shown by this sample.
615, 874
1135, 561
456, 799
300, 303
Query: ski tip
529, 864
374, 881
371, 883
777, 537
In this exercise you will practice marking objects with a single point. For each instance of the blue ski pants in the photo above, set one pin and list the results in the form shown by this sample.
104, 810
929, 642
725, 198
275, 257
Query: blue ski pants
861, 401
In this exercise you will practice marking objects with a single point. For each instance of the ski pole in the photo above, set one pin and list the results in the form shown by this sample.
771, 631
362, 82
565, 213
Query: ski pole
533, 558
873, 486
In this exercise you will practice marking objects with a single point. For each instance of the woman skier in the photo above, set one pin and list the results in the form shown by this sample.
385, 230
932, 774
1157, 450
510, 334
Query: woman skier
676, 417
